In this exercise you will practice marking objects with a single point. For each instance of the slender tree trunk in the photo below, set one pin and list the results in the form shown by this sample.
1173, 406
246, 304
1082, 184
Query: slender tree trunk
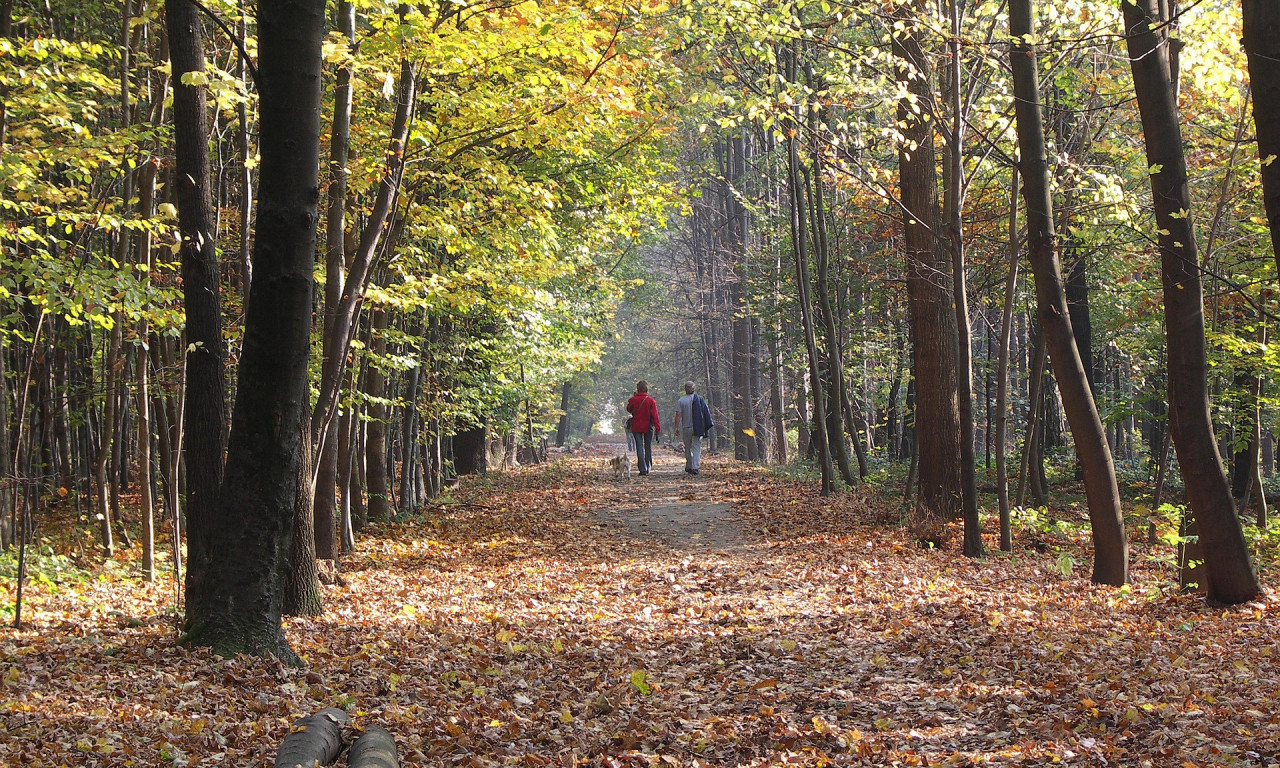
799, 240
954, 207
562, 426
338, 340
1035, 406
237, 604
246, 170
1230, 574
376, 435
1111, 549
326, 472
835, 423
776, 400
1002, 373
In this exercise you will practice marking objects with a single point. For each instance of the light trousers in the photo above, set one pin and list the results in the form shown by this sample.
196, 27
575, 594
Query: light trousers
692, 449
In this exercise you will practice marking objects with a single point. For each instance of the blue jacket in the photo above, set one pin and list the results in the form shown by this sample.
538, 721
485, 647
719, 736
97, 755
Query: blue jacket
702, 423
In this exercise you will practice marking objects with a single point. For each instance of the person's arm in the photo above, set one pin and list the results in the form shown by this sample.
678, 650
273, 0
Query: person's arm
676, 423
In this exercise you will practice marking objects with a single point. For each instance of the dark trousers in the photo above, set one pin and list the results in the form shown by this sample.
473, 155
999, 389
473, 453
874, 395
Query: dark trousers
644, 451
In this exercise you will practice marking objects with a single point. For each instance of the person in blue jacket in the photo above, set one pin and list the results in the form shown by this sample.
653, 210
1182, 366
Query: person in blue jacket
693, 421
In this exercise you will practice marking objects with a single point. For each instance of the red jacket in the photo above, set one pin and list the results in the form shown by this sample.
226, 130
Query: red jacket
644, 410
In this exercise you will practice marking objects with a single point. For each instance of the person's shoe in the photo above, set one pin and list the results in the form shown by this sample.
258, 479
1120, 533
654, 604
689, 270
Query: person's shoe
693, 471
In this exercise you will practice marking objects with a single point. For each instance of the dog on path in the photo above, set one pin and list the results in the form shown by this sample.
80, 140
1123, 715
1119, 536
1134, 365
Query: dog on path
621, 466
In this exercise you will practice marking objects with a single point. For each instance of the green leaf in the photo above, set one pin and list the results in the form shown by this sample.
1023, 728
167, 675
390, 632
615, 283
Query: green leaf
638, 681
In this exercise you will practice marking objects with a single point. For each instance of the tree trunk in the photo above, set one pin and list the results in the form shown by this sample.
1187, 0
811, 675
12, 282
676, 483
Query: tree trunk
235, 605
469, 454
1002, 373
799, 241
1035, 406
326, 470
342, 328
933, 323
1261, 33
1111, 549
1229, 571
562, 426
302, 585
376, 434
203, 416
836, 426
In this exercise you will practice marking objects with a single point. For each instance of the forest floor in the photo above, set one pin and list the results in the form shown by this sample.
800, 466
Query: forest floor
555, 615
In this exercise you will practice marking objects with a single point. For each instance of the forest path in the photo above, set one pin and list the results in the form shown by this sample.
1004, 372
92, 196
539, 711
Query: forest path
667, 506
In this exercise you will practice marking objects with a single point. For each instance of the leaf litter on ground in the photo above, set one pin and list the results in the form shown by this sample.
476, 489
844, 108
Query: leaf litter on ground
509, 626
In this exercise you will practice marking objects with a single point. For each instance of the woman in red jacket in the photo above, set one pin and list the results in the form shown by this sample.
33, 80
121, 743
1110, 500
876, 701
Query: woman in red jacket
644, 424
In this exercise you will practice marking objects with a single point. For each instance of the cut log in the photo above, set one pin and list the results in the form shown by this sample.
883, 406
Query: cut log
314, 740
376, 748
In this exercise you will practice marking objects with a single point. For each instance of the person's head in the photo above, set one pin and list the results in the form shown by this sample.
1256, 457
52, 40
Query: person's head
688, 387
642, 386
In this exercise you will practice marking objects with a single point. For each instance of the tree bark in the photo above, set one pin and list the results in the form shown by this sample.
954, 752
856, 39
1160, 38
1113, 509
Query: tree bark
937, 408
1261, 34
562, 426
830, 351
203, 419
302, 587
341, 331
799, 241
326, 471
954, 207
1002, 373
1230, 574
1111, 549
376, 435
236, 605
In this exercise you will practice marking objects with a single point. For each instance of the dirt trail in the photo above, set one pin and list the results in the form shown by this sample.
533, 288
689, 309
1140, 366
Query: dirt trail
667, 506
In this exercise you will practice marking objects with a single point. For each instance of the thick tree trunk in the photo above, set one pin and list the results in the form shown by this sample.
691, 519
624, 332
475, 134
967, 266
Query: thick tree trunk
302, 586
203, 417
937, 408
235, 605
469, 454
1261, 33
1111, 549
1230, 573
